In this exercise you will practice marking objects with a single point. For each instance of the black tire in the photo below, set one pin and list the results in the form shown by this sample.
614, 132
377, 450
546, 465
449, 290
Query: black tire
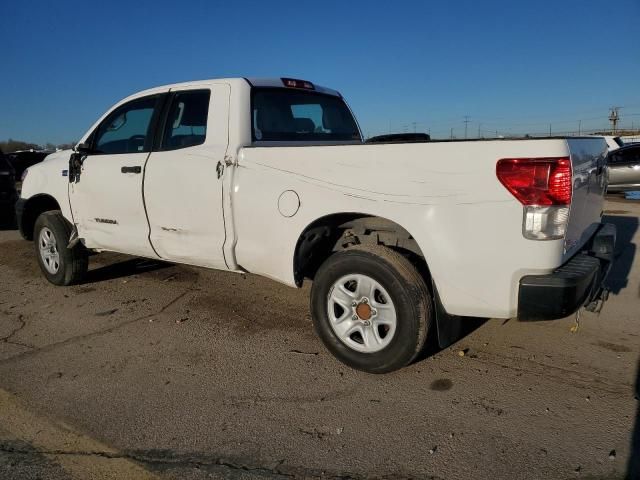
73, 263
408, 292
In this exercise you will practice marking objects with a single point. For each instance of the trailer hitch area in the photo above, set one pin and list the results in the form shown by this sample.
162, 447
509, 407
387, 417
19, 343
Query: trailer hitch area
597, 302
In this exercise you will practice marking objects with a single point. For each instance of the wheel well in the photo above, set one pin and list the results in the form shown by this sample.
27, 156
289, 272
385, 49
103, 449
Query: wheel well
34, 207
339, 231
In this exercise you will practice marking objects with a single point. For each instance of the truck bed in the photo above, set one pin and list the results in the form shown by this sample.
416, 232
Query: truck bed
471, 227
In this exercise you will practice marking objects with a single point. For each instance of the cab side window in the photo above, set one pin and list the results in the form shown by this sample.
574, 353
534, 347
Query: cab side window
186, 123
127, 129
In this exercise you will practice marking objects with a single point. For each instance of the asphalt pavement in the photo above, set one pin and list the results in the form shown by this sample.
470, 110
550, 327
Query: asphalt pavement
152, 370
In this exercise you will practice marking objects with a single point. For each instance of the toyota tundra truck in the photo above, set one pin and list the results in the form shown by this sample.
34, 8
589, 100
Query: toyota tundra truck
402, 241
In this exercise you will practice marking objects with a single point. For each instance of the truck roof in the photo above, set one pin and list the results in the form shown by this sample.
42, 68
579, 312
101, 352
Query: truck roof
253, 81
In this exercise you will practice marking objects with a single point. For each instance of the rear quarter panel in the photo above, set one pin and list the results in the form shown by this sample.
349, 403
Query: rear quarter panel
446, 195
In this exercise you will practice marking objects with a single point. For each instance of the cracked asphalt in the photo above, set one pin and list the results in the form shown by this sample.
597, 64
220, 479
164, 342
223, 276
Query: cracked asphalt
150, 370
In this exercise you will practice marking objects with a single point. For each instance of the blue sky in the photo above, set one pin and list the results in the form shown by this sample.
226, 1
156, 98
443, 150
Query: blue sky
511, 66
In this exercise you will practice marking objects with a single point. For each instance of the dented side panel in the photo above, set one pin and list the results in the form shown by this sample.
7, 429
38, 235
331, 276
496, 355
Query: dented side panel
183, 193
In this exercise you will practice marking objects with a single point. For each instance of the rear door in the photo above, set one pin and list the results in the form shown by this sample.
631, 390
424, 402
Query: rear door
183, 186
106, 200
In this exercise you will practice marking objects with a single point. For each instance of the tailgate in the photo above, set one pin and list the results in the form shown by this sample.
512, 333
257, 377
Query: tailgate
588, 157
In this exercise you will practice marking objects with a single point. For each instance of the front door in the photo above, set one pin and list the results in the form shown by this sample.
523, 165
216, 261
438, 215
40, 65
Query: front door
183, 187
106, 198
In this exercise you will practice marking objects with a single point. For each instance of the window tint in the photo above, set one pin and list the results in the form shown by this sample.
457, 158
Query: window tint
187, 120
613, 158
625, 156
631, 155
281, 114
126, 130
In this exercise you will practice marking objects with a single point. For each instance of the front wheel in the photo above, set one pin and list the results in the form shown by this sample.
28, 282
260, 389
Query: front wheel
59, 264
371, 308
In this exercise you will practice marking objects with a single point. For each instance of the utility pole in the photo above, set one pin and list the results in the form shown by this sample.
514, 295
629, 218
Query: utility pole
479, 129
549, 129
414, 126
466, 123
579, 127
451, 133
613, 118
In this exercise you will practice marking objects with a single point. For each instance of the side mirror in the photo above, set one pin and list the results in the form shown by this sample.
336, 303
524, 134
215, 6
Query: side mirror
83, 148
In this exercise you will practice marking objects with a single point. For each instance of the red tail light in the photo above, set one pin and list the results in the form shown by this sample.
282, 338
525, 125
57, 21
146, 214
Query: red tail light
537, 181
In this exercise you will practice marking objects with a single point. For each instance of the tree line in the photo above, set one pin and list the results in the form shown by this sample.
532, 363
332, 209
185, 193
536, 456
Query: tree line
11, 145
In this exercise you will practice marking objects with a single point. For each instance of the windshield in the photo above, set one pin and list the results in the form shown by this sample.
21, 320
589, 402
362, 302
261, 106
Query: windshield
280, 114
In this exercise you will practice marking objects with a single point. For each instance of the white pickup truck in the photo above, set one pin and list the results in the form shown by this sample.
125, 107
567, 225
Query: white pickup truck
271, 176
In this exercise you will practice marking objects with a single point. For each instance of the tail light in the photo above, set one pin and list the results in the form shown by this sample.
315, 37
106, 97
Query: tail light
543, 187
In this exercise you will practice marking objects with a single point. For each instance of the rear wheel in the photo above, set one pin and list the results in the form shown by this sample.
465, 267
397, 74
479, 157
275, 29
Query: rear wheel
371, 308
59, 264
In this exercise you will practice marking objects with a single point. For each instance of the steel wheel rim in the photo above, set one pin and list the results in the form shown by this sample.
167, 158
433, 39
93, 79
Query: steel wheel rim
361, 313
49, 251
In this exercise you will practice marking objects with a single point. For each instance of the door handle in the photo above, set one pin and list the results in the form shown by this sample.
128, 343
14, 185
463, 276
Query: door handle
136, 169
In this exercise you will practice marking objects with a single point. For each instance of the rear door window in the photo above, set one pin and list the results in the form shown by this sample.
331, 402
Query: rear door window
186, 123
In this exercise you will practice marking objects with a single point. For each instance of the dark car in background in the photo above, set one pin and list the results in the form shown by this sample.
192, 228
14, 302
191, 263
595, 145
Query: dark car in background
624, 168
23, 159
8, 195
400, 138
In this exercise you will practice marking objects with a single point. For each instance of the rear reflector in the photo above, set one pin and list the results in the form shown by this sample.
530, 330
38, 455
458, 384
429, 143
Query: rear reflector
537, 181
294, 83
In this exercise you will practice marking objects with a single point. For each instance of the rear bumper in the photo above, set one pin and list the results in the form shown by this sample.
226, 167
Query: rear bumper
578, 282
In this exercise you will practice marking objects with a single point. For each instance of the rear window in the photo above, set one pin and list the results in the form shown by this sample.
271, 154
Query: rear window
281, 114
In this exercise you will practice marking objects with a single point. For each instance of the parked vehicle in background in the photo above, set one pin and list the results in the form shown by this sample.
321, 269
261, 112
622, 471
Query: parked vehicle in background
271, 176
400, 138
613, 143
8, 195
23, 159
624, 168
